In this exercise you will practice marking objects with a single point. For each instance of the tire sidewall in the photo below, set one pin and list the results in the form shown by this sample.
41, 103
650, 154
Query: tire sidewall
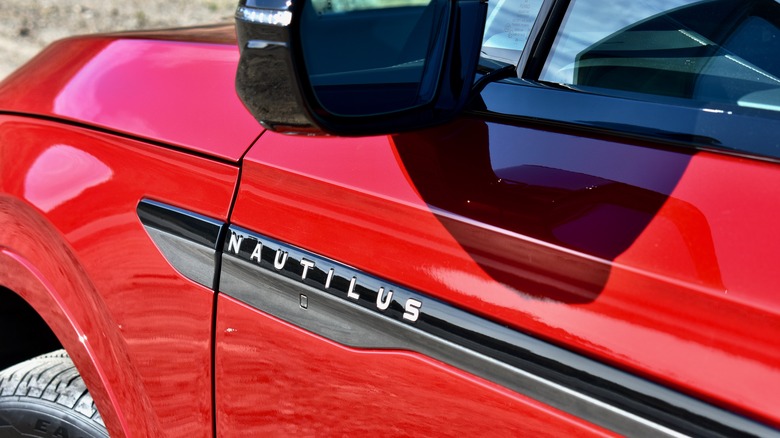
41, 418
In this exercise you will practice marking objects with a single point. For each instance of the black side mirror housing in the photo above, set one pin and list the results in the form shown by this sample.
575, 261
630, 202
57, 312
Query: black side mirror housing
357, 68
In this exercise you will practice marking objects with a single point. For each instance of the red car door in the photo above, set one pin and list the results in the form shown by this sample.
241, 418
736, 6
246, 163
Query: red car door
557, 261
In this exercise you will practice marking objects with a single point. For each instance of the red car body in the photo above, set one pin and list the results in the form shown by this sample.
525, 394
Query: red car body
652, 260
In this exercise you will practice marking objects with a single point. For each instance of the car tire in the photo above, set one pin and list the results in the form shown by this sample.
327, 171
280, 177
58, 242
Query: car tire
46, 397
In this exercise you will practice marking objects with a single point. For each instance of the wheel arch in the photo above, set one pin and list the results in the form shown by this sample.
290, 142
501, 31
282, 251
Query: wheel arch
19, 321
40, 271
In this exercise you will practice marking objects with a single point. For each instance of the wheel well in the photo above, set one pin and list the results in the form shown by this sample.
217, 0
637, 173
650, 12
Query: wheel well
23, 333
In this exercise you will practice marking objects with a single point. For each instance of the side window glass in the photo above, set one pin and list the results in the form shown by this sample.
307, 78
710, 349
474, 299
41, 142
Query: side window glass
507, 28
725, 51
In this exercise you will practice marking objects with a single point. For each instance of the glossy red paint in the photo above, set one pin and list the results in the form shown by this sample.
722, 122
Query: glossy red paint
76, 251
679, 302
59, 303
177, 92
645, 258
293, 383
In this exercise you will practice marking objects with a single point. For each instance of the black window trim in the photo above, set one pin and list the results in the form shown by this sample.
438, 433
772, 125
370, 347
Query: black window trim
725, 129
747, 133
541, 38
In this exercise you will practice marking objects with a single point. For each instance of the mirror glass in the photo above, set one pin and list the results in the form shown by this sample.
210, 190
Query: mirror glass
371, 57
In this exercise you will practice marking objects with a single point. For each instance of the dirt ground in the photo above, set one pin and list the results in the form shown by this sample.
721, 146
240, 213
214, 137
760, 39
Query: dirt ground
26, 26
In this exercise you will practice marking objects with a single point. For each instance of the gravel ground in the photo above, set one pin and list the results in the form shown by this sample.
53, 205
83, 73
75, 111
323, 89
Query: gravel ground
26, 26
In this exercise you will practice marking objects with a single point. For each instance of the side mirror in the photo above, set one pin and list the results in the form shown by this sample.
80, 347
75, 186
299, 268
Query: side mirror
361, 67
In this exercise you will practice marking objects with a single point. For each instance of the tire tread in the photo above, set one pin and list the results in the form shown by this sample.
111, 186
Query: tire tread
52, 377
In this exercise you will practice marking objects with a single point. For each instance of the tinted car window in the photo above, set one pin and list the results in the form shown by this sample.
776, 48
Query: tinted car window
508, 25
702, 51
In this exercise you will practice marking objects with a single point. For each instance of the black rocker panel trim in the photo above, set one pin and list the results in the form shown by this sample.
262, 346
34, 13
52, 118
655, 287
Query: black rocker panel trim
357, 309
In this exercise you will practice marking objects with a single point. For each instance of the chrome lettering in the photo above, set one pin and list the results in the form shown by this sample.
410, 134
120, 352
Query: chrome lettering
412, 309
280, 259
312, 266
256, 254
351, 292
307, 264
235, 242
330, 277
382, 300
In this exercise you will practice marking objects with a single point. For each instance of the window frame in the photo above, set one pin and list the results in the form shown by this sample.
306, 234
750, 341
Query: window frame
722, 128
